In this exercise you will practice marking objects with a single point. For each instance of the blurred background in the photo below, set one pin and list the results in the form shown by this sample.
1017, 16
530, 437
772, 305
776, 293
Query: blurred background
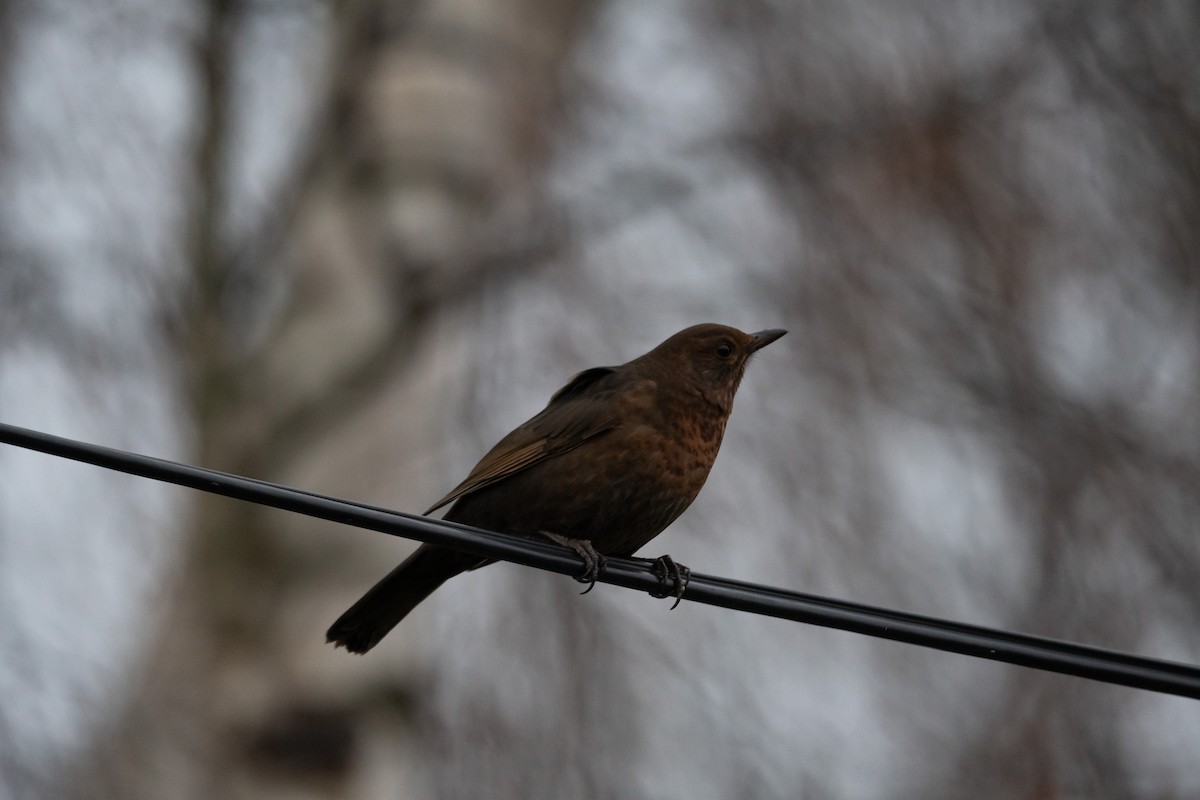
348, 245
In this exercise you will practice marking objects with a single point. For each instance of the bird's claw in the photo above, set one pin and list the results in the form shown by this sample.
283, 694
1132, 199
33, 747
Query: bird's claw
593, 561
666, 569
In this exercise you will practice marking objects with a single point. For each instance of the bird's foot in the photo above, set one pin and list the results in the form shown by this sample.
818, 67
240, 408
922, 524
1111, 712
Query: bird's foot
593, 561
666, 569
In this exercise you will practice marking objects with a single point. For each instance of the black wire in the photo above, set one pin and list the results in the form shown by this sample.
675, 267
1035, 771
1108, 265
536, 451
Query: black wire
973, 640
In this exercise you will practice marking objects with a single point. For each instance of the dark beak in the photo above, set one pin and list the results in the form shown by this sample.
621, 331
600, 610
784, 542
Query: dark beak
764, 338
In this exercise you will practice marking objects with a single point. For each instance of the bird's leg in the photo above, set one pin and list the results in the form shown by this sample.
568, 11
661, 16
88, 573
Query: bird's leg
593, 561
665, 568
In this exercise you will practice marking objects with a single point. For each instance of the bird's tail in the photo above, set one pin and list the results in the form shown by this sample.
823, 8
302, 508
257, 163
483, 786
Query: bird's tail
401, 590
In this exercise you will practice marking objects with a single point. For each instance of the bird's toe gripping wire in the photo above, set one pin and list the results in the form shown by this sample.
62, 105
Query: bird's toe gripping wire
593, 560
666, 569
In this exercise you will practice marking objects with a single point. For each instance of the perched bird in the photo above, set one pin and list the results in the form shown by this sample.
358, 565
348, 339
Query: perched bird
613, 459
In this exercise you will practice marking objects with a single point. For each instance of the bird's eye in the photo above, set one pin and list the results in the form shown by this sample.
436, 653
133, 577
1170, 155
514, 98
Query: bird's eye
724, 350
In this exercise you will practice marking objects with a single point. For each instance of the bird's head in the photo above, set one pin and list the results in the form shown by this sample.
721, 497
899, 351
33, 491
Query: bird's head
712, 358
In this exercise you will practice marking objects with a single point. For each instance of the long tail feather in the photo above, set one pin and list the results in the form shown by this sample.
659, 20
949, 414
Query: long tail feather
401, 590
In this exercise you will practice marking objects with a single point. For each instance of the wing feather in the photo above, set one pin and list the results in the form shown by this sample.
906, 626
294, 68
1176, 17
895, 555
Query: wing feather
578, 412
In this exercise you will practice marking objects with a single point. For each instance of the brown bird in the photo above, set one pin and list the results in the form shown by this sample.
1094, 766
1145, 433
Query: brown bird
613, 459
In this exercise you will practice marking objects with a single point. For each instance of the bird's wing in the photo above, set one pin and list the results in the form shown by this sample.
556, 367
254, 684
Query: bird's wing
579, 411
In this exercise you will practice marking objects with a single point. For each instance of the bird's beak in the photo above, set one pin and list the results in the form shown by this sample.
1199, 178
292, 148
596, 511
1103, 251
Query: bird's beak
764, 338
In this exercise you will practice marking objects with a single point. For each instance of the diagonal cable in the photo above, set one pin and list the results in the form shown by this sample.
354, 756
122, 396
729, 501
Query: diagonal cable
1014, 648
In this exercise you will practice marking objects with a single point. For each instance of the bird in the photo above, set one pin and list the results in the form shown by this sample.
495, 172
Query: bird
612, 460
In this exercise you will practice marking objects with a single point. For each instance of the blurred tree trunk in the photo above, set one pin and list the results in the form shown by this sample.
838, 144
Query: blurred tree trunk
419, 183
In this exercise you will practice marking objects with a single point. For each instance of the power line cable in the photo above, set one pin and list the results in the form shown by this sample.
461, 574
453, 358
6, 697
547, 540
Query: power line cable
1021, 649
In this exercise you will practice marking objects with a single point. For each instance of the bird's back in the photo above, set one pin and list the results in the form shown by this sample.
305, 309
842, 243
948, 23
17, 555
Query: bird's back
646, 455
